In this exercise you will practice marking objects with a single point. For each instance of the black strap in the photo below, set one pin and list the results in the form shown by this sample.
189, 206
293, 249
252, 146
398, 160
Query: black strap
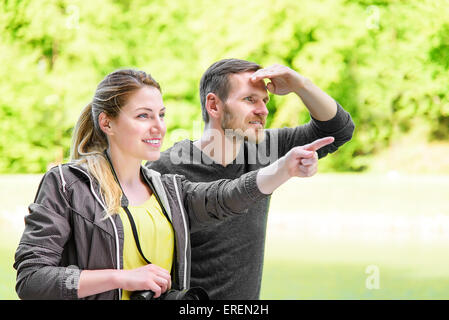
153, 190
128, 213
136, 237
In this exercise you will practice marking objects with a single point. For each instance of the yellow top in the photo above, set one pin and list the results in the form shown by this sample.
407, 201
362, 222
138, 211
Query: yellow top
156, 237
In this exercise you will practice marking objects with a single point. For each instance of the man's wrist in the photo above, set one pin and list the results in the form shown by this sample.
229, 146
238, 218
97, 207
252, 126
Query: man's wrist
282, 170
303, 85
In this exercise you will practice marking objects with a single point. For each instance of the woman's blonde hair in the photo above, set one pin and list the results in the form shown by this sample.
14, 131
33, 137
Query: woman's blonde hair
89, 141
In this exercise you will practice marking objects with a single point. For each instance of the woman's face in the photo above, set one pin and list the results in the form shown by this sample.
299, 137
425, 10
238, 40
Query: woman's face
139, 129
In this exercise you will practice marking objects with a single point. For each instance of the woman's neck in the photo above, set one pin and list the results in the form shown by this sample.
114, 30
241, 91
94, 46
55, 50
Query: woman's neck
128, 174
126, 168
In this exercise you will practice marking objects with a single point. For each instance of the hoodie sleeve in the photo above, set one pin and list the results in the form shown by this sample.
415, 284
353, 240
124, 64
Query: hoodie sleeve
38, 256
208, 202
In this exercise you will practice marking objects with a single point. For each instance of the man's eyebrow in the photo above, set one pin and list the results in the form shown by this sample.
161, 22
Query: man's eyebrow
257, 96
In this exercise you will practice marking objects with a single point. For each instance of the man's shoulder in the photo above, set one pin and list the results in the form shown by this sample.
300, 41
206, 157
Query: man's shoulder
171, 156
183, 144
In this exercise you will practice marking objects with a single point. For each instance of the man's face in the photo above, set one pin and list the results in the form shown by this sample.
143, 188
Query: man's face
245, 110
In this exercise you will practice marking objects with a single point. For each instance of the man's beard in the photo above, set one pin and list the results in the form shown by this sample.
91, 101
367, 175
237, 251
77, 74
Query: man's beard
247, 134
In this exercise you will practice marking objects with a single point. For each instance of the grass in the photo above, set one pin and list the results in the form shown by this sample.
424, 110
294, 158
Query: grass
343, 270
323, 234
306, 280
16, 193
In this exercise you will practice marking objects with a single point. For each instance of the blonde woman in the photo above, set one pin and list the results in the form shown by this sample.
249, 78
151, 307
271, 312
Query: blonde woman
103, 226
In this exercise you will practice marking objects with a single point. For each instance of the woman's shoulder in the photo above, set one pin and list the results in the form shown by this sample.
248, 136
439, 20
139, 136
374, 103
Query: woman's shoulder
68, 173
168, 180
154, 174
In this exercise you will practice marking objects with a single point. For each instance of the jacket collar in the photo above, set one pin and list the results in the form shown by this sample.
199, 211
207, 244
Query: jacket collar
155, 178
150, 176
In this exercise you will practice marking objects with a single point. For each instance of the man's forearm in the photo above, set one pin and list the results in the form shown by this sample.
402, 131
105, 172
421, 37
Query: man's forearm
300, 161
321, 106
271, 177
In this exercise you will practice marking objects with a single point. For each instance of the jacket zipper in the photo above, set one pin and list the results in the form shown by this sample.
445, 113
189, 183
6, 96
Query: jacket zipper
117, 243
184, 284
185, 231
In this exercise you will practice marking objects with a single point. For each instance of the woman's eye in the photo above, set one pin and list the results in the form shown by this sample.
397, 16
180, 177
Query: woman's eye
250, 99
162, 115
143, 115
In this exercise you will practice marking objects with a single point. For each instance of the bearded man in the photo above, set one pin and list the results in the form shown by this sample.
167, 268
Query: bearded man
227, 259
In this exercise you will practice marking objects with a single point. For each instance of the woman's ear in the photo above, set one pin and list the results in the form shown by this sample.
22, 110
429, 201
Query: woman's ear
213, 106
105, 124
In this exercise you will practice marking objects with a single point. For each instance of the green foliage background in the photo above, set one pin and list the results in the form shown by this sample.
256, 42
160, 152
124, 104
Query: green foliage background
385, 61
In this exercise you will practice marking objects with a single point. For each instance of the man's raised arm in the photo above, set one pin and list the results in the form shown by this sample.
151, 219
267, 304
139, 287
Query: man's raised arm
284, 80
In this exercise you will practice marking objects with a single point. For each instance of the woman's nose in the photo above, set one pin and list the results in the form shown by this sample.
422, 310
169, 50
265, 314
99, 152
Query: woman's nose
157, 126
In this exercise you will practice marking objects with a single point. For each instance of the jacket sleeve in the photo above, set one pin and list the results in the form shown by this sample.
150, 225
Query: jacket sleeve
38, 256
341, 127
207, 202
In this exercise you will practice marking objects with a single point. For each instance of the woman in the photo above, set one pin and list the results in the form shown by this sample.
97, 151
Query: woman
80, 236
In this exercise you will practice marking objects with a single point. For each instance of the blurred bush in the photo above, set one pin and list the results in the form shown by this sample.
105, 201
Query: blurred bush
385, 61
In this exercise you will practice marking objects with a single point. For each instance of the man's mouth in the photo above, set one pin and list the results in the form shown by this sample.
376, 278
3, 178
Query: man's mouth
257, 123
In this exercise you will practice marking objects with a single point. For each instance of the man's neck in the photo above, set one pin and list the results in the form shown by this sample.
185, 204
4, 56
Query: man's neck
219, 147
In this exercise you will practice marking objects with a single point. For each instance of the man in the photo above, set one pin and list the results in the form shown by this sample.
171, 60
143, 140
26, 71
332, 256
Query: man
227, 259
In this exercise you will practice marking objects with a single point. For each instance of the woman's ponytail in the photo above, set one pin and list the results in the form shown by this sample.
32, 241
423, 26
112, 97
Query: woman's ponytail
88, 145
87, 137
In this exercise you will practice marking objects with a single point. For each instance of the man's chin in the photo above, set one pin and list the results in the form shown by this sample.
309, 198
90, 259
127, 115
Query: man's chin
256, 138
250, 134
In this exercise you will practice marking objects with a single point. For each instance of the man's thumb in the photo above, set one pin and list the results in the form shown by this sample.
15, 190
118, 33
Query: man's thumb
302, 153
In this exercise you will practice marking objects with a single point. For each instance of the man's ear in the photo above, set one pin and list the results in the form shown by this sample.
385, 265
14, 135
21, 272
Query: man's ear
214, 106
105, 124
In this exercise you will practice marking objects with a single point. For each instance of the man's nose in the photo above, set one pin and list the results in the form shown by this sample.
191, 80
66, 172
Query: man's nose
261, 109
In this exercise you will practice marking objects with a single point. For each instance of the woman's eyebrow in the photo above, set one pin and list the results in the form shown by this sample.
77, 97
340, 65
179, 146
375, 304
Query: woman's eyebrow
145, 108
149, 109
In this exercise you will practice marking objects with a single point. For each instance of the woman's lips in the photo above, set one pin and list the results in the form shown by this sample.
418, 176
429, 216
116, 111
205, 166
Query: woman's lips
153, 142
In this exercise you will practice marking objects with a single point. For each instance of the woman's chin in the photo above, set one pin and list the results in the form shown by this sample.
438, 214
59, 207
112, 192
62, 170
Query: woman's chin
153, 156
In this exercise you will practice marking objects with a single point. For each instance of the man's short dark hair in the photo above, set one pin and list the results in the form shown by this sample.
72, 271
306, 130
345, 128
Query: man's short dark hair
216, 79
